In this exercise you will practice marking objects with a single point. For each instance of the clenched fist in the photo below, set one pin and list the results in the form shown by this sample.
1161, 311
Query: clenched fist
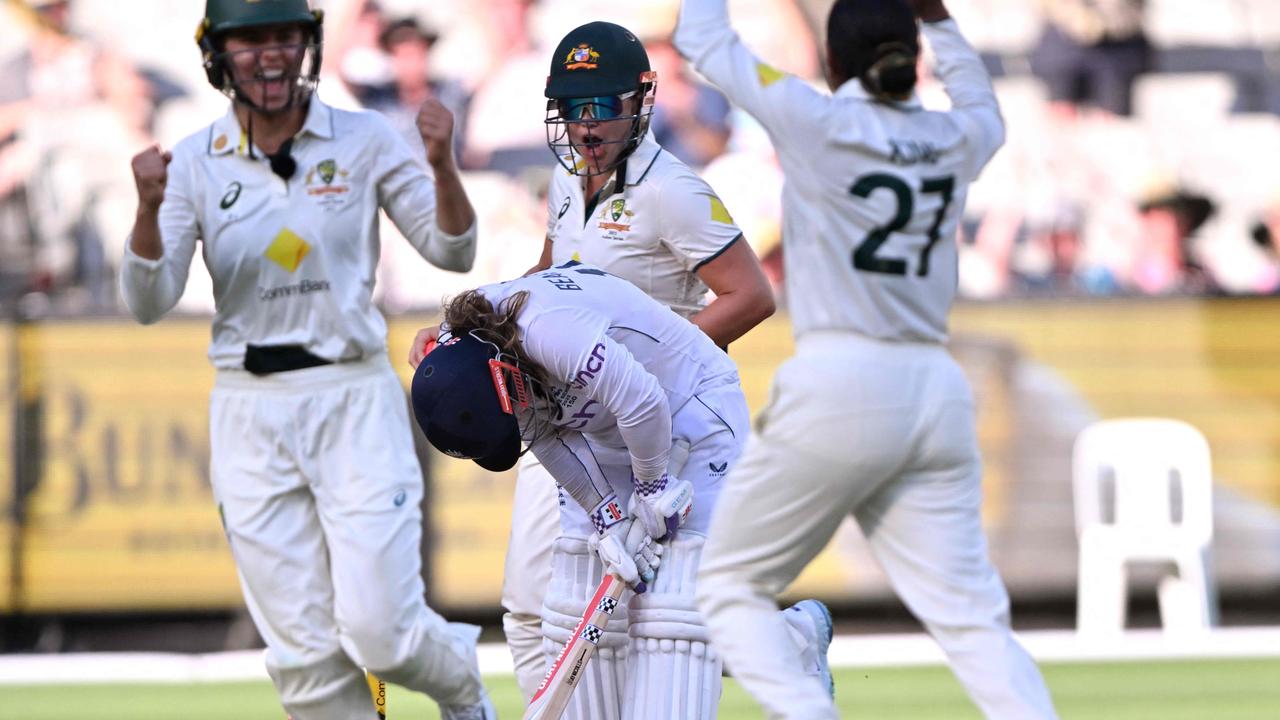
150, 174
435, 125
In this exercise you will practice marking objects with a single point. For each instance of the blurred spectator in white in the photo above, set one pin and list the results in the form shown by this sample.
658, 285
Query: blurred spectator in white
1166, 262
360, 58
505, 129
692, 121
67, 108
1266, 236
1090, 53
407, 43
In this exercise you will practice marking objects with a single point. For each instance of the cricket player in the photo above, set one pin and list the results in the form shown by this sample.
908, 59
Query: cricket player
637, 415
871, 417
313, 465
621, 202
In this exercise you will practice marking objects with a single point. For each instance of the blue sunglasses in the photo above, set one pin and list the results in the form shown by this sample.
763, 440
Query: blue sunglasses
603, 107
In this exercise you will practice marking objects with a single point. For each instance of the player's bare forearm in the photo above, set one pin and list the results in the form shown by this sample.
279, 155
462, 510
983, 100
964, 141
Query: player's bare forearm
145, 241
731, 316
930, 10
454, 213
744, 297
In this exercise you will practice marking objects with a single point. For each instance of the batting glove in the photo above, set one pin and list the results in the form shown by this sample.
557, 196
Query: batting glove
662, 505
623, 545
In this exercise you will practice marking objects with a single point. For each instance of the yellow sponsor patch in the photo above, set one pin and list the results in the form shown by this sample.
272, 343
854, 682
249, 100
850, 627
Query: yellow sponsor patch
287, 250
576, 256
768, 75
719, 212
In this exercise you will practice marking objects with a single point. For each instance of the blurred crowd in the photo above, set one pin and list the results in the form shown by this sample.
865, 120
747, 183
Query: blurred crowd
1139, 158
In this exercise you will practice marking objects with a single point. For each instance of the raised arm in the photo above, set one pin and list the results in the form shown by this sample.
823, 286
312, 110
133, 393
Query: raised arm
436, 217
779, 101
158, 252
965, 79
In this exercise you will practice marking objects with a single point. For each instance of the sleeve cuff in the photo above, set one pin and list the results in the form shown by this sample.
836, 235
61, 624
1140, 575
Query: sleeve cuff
135, 261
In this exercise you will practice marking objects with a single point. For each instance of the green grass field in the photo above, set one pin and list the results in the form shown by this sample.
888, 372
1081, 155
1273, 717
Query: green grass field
1216, 690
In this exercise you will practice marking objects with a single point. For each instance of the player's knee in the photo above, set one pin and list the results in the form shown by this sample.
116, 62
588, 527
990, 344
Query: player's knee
375, 645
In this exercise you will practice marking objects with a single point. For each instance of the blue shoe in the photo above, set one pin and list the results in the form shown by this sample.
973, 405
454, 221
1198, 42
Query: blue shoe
813, 620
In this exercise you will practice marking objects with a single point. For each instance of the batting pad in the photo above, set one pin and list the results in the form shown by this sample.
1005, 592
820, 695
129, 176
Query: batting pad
673, 672
575, 574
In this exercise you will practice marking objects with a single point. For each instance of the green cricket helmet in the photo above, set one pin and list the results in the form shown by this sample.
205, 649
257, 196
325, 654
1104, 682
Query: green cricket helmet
599, 72
225, 16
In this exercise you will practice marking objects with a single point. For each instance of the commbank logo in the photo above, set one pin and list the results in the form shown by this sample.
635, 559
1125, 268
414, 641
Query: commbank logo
287, 250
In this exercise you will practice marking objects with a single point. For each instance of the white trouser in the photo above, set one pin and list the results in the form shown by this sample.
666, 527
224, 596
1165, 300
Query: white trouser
535, 525
667, 649
884, 431
319, 489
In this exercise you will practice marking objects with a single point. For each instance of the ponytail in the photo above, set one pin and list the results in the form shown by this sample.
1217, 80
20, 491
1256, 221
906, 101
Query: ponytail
892, 73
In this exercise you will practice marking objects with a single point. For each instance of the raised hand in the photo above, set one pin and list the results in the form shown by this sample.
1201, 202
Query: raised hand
150, 175
435, 125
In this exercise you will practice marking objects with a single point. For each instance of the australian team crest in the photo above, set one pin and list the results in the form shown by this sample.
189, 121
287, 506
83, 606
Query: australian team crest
582, 58
327, 182
327, 169
618, 212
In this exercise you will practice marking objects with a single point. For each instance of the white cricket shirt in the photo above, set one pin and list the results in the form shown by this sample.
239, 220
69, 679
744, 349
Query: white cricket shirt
655, 223
874, 191
619, 363
291, 262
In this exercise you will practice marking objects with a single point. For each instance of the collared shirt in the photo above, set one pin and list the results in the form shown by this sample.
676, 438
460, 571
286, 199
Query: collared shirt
292, 262
654, 225
874, 191
619, 365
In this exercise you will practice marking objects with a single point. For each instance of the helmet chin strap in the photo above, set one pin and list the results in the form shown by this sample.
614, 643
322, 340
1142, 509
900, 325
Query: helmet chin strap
282, 163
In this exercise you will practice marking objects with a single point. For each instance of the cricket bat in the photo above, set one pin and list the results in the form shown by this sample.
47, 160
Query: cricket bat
557, 687
378, 690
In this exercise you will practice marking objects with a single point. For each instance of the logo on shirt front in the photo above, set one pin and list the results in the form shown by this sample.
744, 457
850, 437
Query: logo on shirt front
230, 197
327, 182
287, 250
616, 211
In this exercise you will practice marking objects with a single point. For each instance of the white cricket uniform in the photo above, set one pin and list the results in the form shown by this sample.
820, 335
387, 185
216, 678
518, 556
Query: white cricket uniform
871, 417
655, 223
314, 469
641, 392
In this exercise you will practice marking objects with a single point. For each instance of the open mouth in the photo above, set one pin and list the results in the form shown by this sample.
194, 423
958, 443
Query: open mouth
274, 83
592, 146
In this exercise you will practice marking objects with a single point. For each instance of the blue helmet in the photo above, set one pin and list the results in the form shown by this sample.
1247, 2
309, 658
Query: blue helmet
463, 404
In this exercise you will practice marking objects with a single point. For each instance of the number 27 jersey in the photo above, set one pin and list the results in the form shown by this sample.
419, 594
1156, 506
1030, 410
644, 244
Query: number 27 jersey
874, 191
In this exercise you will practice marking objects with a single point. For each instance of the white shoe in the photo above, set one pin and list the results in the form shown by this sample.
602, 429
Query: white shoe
482, 710
813, 620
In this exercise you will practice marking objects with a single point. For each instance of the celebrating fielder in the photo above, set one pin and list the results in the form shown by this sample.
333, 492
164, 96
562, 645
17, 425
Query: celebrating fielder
637, 415
313, 465
872, 416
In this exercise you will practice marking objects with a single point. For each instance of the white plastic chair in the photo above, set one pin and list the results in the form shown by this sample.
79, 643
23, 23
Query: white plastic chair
1144, 463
